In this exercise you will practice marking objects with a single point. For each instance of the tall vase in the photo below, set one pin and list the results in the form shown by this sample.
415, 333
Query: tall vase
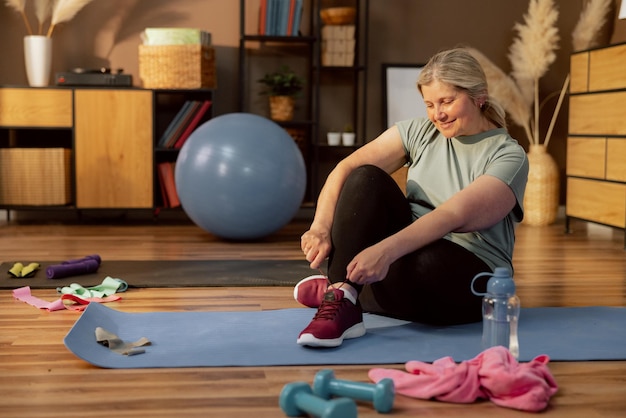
38, 59
541, 200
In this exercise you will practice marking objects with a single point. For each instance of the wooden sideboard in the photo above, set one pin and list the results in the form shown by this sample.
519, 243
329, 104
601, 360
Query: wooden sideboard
85, 148
596, 144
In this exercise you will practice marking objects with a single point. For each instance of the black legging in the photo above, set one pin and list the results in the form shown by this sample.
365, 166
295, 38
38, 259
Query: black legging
430, 285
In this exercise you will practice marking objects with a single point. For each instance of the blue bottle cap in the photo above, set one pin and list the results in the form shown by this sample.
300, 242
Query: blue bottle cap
501, 282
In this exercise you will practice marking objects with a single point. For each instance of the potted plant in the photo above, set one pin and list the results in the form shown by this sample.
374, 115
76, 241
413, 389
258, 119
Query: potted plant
282, 86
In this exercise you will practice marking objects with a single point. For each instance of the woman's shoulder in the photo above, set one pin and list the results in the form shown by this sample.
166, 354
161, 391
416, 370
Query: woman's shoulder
417, 130
415, 123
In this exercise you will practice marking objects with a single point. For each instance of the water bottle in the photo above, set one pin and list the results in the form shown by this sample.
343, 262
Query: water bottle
501, 309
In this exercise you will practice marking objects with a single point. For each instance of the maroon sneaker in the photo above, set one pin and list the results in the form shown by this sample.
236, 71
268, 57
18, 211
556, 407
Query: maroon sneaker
310, 290
337, 318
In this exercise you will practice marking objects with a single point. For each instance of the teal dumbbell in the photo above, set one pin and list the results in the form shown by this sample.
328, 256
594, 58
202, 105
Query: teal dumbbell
297, 398
381, 394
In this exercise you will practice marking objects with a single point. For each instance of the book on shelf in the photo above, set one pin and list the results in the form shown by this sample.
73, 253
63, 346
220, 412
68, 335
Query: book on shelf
262, 17
168, 184
297, 17
280, 17
164, 199
174, 124
291, 17
183, 124
193, 124
186, 119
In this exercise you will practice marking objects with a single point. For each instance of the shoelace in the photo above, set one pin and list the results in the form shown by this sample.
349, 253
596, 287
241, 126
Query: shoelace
328, 280
328, 309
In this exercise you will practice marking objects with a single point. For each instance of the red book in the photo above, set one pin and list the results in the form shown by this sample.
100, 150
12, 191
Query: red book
166, 203
167, 174
262, 17
193, 123
291, 17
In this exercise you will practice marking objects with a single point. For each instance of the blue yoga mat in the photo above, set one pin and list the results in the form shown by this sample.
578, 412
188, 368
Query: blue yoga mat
268, 338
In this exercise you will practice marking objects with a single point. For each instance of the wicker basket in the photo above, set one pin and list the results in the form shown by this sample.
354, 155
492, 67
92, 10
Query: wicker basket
281, 108
541, 200
177, 66
338, 15
35, 176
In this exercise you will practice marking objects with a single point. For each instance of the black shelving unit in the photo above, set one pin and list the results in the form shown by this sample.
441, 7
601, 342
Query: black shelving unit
323, 83
166, 104
330, 83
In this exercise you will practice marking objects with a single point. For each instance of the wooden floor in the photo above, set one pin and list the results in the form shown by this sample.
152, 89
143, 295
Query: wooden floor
39, 377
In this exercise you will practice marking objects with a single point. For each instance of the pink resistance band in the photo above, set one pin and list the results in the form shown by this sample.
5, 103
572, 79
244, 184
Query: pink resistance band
67, 301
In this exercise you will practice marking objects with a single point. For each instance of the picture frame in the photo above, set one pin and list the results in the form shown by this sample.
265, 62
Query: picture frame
401, 98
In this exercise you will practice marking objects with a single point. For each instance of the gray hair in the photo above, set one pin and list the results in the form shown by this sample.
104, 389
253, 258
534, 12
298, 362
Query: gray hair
458, 68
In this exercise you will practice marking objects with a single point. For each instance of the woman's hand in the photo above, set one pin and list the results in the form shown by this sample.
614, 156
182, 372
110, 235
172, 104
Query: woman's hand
369, 266
316, 246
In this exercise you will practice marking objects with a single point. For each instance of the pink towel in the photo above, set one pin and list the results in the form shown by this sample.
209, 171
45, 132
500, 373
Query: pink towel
494, 374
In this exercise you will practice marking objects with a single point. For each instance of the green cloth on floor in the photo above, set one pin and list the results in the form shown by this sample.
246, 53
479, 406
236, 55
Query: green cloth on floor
109, 287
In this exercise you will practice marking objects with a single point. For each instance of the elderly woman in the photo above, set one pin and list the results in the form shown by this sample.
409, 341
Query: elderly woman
413, 256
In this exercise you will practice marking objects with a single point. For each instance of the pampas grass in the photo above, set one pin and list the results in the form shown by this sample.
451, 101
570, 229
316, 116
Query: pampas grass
531, 54
533, 51
56, 11
43, 10
592, 18
20, 6
64, 11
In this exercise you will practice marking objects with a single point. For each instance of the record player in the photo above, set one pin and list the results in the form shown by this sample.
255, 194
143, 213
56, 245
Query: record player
93, 77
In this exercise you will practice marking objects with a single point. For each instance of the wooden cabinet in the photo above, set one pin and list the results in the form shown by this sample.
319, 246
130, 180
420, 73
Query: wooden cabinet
35, 147
596, 146
86, 148
35, 108
113, 148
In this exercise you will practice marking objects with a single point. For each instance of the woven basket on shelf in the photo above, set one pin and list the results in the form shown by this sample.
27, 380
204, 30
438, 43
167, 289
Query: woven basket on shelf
541, 200
281, 108
177, 66
338, 15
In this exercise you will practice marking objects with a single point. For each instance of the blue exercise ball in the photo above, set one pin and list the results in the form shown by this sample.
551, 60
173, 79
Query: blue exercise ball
240, 176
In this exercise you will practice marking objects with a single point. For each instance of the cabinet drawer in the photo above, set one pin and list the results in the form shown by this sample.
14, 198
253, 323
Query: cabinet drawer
586, 157
46, 108
607, 68
616, 159
597, 201
579, 70
35, 176
598, 113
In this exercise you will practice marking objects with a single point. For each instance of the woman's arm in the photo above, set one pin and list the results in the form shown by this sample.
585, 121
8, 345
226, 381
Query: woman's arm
386, 152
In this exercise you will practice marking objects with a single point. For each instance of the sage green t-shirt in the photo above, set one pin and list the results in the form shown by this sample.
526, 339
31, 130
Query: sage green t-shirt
439, 167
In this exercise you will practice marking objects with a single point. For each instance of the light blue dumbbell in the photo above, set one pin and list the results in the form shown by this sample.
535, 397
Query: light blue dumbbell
297, 398
381, 394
